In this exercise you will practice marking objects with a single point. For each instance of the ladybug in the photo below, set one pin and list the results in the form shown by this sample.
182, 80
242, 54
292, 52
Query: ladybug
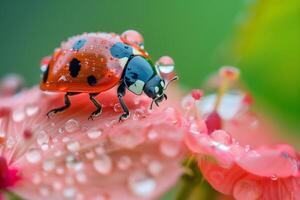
95, 62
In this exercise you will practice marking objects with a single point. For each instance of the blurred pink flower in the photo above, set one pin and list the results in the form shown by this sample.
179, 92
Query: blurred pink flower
241, 158
71, 157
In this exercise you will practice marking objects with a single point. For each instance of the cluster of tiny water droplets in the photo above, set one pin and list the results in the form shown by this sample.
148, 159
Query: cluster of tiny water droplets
75, 160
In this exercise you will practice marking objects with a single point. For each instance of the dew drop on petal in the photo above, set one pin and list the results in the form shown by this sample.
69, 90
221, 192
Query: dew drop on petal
246, 189
61, 130
48, 165
103, 164
57, 185
42, 138
155, 167
141, 184
10, 142
33, 155
44, 191
93, 134
101, 197
81, 177
222, 137
31, 110
18, 115
138, 114
36, 179
169, 148
69, 192
90, 155
118, 108
247, 148
71, 125
73, 146
124, 162
44, 147
152, 135
60, 170
274, 177
128, 137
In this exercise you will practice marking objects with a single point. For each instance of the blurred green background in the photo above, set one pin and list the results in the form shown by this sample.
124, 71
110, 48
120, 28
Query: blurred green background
260, 37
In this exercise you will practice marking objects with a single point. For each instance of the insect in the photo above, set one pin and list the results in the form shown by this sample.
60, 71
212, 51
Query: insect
95, 62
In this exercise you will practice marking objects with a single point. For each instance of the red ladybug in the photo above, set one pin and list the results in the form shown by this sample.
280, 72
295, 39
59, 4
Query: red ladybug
96, 62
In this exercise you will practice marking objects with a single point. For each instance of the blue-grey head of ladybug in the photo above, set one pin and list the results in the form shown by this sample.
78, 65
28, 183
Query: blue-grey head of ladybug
140, 75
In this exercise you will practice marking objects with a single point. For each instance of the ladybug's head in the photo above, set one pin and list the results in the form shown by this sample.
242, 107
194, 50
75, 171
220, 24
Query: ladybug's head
155, 88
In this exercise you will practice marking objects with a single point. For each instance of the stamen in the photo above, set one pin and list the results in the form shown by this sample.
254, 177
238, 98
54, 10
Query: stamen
197, 94
228, 75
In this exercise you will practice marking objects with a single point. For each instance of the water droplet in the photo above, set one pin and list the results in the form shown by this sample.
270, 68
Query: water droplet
69, 192
246, 189
141, 184
274, 177
44, 191
36, 179
138, 114
61, 130
60, 170
93, 134
45, 147
57, 185
31, 110
73, 146
71, 125
73, 163
165, 64
128, 137
133, 36
42, 138
48, 165
101, 197
18, 115
118, 108
66, 139
90, 155
33, 155
152, 135
155, 167
69, 180
103, 164
124, 162
10, 142
81, 177
247, 148
170, 148
221, 137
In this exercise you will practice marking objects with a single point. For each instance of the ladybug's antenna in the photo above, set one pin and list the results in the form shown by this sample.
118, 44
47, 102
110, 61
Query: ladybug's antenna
173, 79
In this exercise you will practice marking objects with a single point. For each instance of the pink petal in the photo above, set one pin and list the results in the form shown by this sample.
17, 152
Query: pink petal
70, 157
278, 163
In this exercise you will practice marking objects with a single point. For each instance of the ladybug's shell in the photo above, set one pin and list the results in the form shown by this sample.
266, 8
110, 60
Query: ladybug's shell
87, 67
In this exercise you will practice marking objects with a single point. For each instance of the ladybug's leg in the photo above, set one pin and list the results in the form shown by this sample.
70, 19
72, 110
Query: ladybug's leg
97, 104
67, 104
121, 94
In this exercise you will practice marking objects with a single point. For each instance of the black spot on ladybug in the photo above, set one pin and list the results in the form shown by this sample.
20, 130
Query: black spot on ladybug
91, 80
74, 67
45, 74
78, 44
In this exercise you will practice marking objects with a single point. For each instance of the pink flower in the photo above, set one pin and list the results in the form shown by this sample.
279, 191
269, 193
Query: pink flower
71, 157
241, 157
